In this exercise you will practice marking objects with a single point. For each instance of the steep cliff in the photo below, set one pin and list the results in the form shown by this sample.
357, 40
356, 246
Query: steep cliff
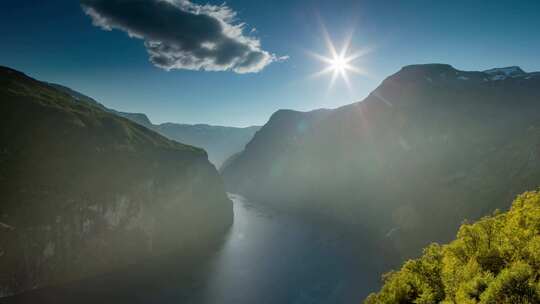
84, 191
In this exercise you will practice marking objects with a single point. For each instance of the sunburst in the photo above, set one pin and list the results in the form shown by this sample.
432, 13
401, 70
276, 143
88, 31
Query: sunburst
340, 63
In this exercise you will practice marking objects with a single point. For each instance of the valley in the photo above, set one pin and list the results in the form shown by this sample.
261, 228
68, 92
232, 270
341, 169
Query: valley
269, 152
334, 197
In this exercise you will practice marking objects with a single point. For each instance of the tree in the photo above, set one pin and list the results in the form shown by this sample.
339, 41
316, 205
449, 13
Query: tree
493, 261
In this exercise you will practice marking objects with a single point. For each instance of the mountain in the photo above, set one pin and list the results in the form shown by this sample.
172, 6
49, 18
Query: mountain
85, 191
220, 142
138, 118
430, 147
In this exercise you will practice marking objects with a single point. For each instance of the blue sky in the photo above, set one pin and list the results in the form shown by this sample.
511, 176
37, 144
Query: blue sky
55, 41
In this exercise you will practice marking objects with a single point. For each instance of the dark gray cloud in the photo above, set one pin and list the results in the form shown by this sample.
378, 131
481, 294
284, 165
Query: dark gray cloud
179, 34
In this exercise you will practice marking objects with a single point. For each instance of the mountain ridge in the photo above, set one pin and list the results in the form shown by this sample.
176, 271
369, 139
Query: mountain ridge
220, 142
430, 68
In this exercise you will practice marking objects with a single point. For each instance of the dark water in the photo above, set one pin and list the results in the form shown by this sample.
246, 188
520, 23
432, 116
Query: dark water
267, 257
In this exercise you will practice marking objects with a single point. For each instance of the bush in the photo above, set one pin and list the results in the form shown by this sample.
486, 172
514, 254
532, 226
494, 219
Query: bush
493, 261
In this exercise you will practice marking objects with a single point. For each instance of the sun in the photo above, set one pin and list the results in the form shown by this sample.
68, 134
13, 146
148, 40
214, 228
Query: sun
340, 63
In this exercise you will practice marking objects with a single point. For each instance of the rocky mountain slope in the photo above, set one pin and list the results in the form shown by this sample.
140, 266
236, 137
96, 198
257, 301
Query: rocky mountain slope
84, 191
430, 147
219, 141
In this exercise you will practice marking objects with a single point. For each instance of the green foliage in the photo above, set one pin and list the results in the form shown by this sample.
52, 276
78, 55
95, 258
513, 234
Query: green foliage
493, 261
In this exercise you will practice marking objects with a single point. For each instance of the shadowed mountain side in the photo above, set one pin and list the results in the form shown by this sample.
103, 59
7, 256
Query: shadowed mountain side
431, 146
85, 191
220, 142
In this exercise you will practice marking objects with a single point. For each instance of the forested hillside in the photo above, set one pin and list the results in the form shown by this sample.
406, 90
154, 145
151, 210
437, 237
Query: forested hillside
495, 260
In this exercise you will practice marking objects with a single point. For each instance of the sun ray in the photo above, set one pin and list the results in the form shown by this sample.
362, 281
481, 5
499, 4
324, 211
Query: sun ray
320, 57
324, 71
334, 78
359, 53
345, 77
357, 70
329, 43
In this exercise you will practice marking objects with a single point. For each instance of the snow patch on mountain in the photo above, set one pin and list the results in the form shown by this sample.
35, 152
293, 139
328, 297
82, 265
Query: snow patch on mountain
504, 73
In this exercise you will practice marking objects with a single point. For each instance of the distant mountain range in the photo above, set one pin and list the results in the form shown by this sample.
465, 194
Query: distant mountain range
86, 192
430, 147
220, 142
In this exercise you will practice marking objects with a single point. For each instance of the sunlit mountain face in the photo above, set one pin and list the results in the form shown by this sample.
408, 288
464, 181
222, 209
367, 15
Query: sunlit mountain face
181, 151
